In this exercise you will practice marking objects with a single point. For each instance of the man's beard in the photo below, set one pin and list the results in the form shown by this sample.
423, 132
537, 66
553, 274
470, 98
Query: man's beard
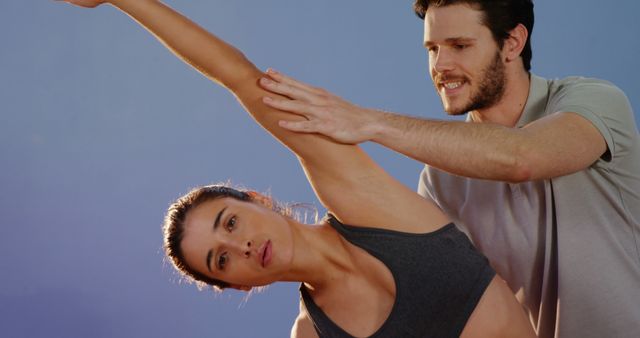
490, 90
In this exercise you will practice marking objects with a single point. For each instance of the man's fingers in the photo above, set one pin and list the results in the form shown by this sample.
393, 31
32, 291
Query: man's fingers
281, 78
286, 90
292, 106
299, 126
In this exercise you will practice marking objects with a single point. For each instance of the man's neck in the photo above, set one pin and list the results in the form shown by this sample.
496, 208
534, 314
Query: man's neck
508, 110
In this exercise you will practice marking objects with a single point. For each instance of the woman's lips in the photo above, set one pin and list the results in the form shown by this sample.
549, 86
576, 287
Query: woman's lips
265, 253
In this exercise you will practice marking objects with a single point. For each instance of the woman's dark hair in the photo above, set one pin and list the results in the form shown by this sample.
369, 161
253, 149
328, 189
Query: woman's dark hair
173, 227
500, 16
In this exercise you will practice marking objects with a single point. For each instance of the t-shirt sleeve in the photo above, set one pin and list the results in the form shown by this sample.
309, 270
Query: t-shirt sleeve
604, 105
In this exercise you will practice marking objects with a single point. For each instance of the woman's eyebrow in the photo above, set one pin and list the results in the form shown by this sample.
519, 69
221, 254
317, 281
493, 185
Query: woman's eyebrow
217, 221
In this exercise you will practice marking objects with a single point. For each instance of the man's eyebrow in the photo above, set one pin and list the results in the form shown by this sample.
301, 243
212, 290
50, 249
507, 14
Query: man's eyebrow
451, 41
458, 40
216, 223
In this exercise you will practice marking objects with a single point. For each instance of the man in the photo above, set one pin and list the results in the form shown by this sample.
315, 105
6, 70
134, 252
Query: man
544, 175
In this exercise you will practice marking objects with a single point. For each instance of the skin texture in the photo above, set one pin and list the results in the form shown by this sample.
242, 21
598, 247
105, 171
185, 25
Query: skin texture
489, 91
238, 242
352, 287
460, 48
469, 60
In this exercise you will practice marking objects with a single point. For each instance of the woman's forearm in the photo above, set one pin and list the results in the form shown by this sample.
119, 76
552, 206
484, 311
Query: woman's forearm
210, 55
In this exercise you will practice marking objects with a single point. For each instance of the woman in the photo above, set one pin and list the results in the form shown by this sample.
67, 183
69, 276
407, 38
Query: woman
401, 269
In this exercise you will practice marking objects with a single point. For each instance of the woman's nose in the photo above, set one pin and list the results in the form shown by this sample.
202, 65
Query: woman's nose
242, 248
247, 249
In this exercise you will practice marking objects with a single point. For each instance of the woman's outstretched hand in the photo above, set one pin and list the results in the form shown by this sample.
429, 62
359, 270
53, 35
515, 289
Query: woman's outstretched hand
85, 3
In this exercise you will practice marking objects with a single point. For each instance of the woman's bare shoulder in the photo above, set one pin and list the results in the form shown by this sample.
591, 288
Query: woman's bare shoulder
498, 314
303, 326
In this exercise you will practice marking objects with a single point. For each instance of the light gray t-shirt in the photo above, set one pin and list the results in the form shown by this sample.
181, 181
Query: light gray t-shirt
568, 247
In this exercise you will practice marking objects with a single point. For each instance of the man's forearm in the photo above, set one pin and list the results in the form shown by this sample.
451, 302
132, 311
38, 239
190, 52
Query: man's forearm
486, 151
468, 149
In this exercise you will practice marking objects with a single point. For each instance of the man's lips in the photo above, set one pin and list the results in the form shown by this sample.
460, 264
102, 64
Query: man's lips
449, 82
451, 86
265, 253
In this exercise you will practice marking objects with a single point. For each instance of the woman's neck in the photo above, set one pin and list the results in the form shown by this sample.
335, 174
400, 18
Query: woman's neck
321, 256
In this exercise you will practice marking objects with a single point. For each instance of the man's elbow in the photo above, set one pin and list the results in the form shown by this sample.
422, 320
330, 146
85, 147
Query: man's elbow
520, 169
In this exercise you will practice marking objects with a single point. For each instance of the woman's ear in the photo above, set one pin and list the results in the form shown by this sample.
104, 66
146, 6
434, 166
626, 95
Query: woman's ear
514, 44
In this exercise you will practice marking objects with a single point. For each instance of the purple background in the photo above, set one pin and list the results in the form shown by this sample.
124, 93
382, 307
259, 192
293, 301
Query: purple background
101, 128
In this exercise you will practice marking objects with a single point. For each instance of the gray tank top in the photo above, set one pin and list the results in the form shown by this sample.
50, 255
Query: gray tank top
439, 278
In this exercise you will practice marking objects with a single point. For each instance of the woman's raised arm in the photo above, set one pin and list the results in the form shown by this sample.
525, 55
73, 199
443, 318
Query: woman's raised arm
347, 181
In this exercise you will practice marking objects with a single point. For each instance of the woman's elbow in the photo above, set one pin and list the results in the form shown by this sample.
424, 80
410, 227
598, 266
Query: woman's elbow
239, 74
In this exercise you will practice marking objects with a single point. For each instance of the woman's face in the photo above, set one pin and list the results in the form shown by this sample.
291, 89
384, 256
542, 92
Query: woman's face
241, 243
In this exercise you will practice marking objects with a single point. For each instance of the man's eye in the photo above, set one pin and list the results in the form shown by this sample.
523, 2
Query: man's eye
231, 223
222, 261
460, 47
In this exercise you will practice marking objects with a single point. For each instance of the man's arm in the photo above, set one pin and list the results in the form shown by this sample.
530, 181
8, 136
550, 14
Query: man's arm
553, 146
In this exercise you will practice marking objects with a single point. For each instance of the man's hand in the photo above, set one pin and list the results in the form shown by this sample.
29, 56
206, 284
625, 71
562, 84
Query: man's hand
326, 113
85, 3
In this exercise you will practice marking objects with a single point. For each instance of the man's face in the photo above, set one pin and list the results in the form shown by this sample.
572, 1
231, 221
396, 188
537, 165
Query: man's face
465, 63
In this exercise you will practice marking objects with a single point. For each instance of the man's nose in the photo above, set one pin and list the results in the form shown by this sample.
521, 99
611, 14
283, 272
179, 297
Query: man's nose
442, 61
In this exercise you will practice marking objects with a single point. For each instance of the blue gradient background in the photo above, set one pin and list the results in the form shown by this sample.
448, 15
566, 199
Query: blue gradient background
101, 128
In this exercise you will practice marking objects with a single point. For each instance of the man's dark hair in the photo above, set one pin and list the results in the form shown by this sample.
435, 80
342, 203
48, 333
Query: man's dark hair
500, 16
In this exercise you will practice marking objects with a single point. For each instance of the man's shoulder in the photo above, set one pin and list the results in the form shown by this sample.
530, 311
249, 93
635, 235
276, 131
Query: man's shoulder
580, 83
587, 92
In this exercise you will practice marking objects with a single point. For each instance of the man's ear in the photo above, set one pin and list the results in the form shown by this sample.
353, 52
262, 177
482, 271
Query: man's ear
241, 287
514, 44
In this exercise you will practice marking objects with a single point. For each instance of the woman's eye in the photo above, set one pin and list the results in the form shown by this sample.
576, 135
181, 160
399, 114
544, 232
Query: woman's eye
222, 261
231, 223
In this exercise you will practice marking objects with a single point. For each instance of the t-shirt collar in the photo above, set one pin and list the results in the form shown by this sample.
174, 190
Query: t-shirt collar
536, 101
